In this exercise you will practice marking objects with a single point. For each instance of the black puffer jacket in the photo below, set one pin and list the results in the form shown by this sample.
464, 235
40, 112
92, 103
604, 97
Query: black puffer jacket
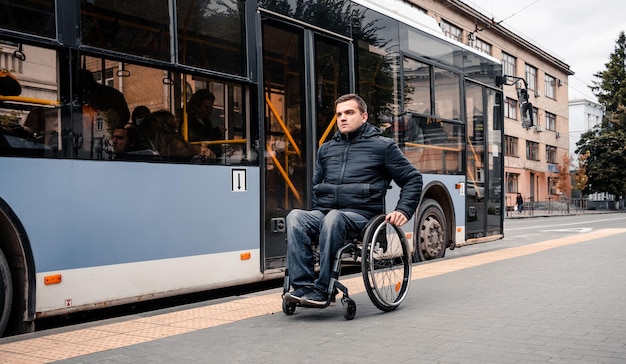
353, 173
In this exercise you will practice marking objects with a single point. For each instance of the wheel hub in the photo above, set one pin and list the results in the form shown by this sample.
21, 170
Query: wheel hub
431, 237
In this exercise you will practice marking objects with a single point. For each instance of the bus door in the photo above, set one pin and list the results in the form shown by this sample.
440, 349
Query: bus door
484, 162
304, 72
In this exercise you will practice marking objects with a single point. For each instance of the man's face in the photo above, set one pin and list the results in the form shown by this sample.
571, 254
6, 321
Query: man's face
120, 141
349, 117
206, 108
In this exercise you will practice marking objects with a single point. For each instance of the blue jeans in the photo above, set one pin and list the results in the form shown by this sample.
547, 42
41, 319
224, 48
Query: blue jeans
331, 230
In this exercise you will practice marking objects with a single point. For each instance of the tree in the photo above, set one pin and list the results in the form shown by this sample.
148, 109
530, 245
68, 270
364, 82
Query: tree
580, 176
565, 180
605, 144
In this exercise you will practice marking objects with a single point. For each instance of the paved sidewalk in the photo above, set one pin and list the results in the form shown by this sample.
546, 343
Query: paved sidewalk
558, 301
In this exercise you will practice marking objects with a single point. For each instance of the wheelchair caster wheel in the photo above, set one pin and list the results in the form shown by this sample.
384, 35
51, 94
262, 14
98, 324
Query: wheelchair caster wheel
289, 308
349, 308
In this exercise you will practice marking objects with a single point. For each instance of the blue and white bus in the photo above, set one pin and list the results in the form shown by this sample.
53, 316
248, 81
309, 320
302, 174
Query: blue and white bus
85, 223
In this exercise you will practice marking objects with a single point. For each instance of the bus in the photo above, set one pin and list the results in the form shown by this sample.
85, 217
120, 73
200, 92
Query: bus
154, 148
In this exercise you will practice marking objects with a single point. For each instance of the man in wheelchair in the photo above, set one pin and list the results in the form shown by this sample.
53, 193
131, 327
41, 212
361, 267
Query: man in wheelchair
352, 174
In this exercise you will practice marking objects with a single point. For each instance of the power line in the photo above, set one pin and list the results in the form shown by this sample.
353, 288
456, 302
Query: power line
515, 13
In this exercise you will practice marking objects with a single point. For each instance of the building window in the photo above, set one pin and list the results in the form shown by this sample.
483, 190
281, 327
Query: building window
550, 154
532, 151
535, 116
550, 87
108, 77
550, 121
452, 31
7, 60
510, 146
482, 46
508, 64
531, 77
510, 108
592, 121
511, 182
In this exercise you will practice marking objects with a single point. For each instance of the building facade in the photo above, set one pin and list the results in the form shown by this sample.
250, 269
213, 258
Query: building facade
532, 154
584, 115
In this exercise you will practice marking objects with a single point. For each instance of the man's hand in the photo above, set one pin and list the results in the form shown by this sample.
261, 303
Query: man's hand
396, 218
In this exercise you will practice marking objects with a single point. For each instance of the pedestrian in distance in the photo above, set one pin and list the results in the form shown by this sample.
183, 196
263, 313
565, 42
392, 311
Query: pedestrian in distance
520, 203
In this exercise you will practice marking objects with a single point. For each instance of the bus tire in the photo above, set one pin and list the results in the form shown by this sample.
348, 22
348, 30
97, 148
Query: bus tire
6, 292
431, 232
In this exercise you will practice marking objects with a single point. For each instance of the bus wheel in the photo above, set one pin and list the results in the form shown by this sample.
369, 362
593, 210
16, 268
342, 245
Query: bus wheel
6, 292
432, 227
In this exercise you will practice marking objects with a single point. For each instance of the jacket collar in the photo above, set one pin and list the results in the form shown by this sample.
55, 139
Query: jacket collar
365, 131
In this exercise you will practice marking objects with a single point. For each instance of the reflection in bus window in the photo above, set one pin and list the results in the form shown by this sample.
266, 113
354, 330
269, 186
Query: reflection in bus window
432, 145
447, 94
29, 113
210, 35
29, 16
214, 118
417, 96
137, 27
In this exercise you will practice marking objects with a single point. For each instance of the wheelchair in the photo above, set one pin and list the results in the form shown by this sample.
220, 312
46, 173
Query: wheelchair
385, 260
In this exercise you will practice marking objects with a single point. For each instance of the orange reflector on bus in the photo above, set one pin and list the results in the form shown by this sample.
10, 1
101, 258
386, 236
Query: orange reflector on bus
244, 256
457, 186
458, 230
54, 279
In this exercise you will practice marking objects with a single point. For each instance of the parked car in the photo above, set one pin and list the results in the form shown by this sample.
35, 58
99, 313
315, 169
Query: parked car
476, 190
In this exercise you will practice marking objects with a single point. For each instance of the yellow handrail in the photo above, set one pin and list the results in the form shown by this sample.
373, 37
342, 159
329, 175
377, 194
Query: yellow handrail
427, 146
30, 100
329, 128
215, 142
184, 129
283, 173
283, 126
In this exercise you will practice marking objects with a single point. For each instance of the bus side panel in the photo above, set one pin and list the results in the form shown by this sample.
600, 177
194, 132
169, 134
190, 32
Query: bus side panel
458, 201
102, 286
80, 214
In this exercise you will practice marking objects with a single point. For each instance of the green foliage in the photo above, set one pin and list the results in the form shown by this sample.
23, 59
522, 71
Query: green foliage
605, 144
611, 87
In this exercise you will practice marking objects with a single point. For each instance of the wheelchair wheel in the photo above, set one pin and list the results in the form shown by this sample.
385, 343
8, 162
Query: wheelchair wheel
289, 308
349, 308
385, 264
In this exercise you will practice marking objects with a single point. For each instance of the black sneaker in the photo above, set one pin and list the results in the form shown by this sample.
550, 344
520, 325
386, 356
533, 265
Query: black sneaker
315, 298
296, 295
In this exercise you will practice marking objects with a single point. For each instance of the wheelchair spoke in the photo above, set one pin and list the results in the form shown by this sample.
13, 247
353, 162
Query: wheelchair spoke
386, 266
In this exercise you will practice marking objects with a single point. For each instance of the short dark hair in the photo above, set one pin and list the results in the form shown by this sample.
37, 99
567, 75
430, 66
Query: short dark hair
200, 96
355, 97
139, 113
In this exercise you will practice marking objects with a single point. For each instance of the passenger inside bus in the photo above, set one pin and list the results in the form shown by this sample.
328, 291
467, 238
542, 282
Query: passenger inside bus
105, 99
162, 133
126, 144
124, 140
200, 127
140, 119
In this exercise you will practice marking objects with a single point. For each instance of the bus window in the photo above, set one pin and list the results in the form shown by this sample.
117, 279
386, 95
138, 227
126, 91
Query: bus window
130, 28
432, 145
214, 119
29, 16
29, 111
417, 95
209, 127
447, 94
210, 35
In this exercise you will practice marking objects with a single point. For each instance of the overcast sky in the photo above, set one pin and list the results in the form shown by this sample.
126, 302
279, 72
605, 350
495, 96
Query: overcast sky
582, 33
